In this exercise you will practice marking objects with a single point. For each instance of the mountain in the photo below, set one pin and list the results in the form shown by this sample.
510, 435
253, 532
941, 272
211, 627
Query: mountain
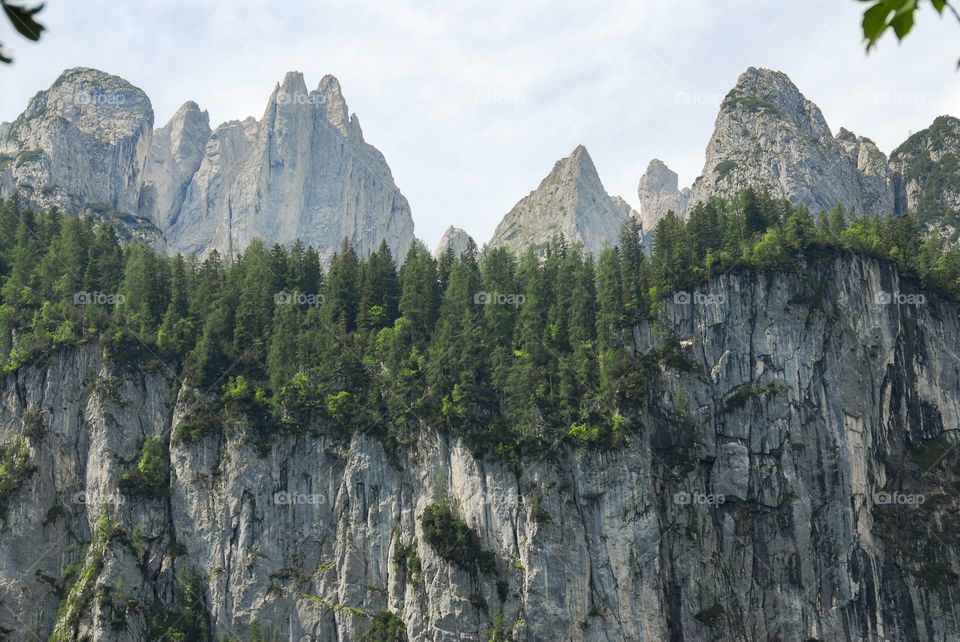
815, 420
659, 194
767, 134
303, 171
928, 167
453, 239
84, 141
570, 201
176, 152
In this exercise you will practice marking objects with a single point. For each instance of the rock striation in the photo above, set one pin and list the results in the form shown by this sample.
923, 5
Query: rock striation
176, 152
571, 201
303, 171
754, 504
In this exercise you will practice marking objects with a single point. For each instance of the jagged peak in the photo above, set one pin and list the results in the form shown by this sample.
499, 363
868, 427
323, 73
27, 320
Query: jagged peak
293, 83
658, 178
454, 239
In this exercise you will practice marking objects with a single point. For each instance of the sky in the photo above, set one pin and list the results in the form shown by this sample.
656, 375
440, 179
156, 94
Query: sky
472, 103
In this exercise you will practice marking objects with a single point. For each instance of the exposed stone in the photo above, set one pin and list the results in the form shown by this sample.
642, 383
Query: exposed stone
453, 239
84, 141
659, 194
570, 201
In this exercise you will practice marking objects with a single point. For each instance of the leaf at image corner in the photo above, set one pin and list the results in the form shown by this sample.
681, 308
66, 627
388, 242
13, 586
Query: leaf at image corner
23, 21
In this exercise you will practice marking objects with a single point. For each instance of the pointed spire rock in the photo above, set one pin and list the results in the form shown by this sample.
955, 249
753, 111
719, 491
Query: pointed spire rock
453, 239
768, 135
303, 172
659, 194
570, 201
175, 155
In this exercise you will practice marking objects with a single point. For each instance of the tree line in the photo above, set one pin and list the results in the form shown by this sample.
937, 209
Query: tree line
505, 350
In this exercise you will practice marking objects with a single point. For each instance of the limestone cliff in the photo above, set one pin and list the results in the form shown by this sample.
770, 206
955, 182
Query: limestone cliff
765, 496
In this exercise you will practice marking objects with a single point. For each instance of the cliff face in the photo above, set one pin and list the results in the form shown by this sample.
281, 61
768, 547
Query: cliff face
765, 497
82, 142
928, 167
302, 172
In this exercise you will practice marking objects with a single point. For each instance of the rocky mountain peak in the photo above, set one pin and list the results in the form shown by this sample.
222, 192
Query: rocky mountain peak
769, 136
927, 165
83, 141
570, 201
659, 193
302, 172
175, 155
453, 239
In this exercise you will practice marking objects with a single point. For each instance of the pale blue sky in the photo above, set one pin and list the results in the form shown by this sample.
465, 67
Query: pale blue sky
473, 102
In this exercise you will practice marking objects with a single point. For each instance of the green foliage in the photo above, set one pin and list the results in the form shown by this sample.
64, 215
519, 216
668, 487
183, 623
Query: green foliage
22, 19
149, 477
15, 468
370, 348
386, 627
188, 621
897, 16
453, 540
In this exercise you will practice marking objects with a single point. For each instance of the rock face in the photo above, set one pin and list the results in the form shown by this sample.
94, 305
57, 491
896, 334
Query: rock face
175, 156
768, 135
453, 239
659, 194
302, 172
928, 165
754, 505
84, 141
570, 201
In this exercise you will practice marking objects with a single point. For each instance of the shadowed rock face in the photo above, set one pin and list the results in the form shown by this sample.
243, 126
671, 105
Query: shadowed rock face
301, 172
928, 168
175, 155
82, 142
804, 402
570, 201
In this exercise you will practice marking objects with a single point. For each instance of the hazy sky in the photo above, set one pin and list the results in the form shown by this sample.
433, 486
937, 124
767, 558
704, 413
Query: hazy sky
473, 102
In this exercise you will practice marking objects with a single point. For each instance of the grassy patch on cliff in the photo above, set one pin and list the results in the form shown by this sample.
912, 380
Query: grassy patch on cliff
15, 468
454, 541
